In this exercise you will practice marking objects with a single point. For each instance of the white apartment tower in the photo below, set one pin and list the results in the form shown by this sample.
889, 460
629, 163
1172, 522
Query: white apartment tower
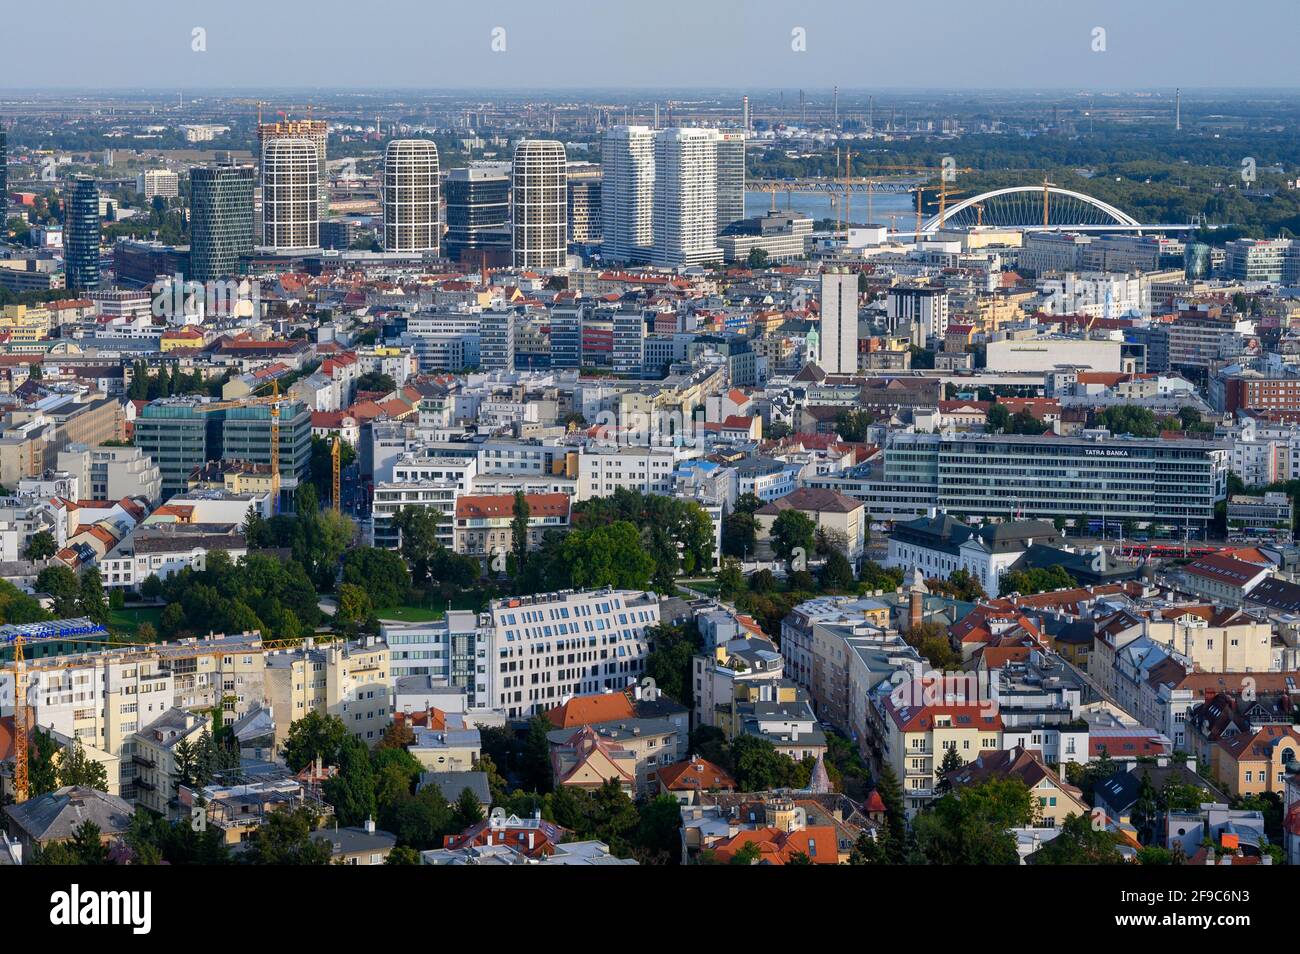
539, 205
627, 196
839, 322
290, 195
411, 214
686, 198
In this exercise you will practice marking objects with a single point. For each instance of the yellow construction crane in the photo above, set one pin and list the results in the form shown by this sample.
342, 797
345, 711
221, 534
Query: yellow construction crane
335, 454
19, 637
273, 399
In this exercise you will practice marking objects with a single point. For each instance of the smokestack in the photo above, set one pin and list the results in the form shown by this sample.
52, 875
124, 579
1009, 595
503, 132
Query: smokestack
914, 607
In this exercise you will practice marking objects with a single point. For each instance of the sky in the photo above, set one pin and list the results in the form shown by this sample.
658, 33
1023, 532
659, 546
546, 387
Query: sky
659, 44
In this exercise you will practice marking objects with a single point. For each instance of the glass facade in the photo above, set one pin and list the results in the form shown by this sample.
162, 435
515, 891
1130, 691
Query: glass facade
222, 220
81, 235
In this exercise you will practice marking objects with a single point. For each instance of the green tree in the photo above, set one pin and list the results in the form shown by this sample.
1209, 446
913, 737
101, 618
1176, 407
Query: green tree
671, 658
41, 546
1038, 580
42, 763
90, 598
519, 531
730, 580
77, 768
1080, 844
836, 572
62, 585
658, 832
536, 755
610, 555
286, 839
355, 607
418, 528
311, 737
1130, 419
852, 424
792, 531
952, 761
352, 790
381, 573
972, 825
468, 810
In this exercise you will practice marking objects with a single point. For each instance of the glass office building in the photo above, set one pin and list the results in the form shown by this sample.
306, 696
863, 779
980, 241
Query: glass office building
81, 235
221, 224
1173, 484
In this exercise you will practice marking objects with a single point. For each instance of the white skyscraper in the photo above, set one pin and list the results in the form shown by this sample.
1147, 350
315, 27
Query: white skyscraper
686, 198
539, 205
411, 202
839, 322
290, 194
627, 196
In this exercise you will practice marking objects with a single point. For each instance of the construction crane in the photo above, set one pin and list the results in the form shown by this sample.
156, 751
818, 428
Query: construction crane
19, 636
273, 399
335, 454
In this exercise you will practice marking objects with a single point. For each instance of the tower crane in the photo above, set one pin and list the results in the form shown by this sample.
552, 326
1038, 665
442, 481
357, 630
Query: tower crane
273, 399
335, 454
18, 636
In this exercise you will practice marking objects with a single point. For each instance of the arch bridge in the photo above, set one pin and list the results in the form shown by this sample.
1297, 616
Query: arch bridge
1033, 206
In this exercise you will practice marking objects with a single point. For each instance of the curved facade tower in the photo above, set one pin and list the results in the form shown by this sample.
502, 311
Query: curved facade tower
290, 195
539, 204
412, 222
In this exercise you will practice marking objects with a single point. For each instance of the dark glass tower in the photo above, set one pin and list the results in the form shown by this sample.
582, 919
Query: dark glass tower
81, 235
221, 224
4, 173
478, 208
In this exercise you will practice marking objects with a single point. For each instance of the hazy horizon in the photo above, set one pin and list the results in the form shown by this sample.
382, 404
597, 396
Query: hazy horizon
1001, 45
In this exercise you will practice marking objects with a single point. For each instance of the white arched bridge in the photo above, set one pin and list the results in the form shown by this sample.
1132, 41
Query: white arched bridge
1036, 207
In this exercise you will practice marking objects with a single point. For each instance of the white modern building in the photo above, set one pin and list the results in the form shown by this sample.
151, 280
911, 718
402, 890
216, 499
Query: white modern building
627, 197
602, 470
411, 198
539, 205
839, 322
290, 195
543, 649
686, 198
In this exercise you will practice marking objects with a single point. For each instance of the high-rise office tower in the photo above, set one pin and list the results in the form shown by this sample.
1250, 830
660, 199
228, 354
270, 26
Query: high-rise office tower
221, 219
627, 193
315, 130
4, 171
839, 322
731, 178
566, 337
81, 235
539, 205
478, 214
584, 202
411, 200
290, 195
686, 198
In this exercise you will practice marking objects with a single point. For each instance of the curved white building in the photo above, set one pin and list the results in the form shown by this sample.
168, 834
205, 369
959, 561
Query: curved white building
411, 215
290, 195
539, 205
